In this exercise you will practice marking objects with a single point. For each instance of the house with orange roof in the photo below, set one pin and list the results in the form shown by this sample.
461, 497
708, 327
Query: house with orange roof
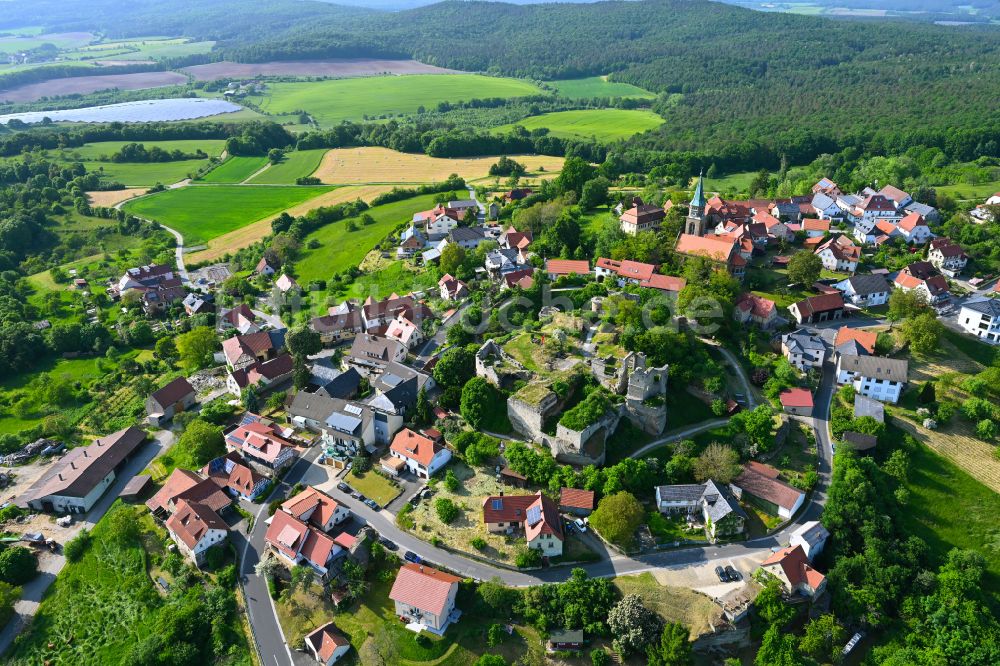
421, 455
865, 339
775, 227
791, 567
261, 442
814, 228
299, 543
535, 514
231, 472
641, 217
185, 485
722, 250
556, 268
404, 331
515, 240
921, 277
425, 597
327, 644
577, 502
195, 528
638, 273
913, 227
316, 508
757, 309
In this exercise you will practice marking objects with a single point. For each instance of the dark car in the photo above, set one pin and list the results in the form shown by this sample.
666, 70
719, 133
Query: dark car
344, 488
388, 545
733, 574
373, 505
356, 495
412, 557
721, 573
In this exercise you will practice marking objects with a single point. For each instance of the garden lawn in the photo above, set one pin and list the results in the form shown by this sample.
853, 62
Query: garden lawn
235, 170
341, 249
965, 192
133, 174
374, 486
332, 101
602, 124
736, 182
397, 276
297, 164
201, 213
598, 86
684, 409
102, 150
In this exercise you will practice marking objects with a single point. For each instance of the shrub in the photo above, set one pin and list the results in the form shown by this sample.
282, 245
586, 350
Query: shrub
17, 565
599, 657
479, 543
404, 518
495, 635
77, 546
451, 481
527, 558
617, 518
446, 510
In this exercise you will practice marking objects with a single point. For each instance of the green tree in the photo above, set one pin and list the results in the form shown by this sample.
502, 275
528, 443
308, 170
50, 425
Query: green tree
823, 639
771, 606
451, 481
198, 444
479, 400
452, 259
249, 399
617, 518
674, 648
197, 346
446, 509
9, 595
276, 401
165, 349
17, 565
303, 341
777, 649
905, 304
986, 430
77, 546
633, 625
717, 462
456, 367
575, 172
423, 411
594, 193
490, 660
923, 332
804, 268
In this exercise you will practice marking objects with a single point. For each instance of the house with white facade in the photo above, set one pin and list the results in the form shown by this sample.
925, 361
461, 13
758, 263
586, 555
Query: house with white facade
535, 514
839, 254
426, 597
914, 229
803, 350
947, 256
982, 319
326, 644
864, 290
921, 277
826, 206
876, 377
422, 455
761, 482
792, 569
710, 502
811, 536
814, 228
195, 528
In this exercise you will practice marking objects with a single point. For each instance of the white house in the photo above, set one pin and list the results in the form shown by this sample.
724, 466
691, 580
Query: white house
791, 567
425, 596
327, 644
316, 508
404, 331
864, 290
873, 207
947, 257
422, 455
815, 228
876, 377
195, 528
826, 206
536, 514
839, 254
982, 319
898, 197
921, 277
803, 350
914, 229
811, 536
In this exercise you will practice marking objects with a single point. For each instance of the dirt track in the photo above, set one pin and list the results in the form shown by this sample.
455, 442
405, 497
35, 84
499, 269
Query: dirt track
344, 67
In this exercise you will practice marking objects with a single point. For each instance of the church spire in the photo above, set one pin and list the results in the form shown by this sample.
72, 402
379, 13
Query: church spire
698, 200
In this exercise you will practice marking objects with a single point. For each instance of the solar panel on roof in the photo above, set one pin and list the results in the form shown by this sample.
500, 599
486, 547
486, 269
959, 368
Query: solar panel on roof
343, 422
353, 409
534, 514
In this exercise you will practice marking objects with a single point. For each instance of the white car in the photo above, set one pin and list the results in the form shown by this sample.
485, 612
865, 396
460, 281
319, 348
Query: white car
582, 526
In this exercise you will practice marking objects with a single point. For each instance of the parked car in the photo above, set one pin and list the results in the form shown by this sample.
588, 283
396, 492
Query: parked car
388, 545
721, 573
373, 505
733, 574
582, 526
344, 488
410, 556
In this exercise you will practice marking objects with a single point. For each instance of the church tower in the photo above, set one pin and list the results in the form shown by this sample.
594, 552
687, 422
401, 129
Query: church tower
695, 223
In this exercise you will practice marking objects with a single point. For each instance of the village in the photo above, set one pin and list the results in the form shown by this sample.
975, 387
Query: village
417, 435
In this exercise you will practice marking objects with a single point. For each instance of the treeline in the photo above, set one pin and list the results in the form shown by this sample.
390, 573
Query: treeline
137, 152
23, 77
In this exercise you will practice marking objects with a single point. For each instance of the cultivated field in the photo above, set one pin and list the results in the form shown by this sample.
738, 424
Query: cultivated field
296, 164
144, 49
335, 68
598, 86
83, 85
340, 249
251, 233
113, 197
147, 173
202, 213
333, 101
105, 149
600, 124
382, 165
62, 40
235, 170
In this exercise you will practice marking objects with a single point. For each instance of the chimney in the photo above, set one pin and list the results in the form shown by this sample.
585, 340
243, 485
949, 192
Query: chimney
61, 477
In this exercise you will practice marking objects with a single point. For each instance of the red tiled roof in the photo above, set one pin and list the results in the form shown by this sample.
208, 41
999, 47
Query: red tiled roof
821, 303
796, 397
711, 247
178, 481
325, 640
578, 499
423, 587
816, 225
506, 508
414, 446
757, 306
192, 521
664, 282
567, 267
912, 221
286, 533
795, 564
325, 505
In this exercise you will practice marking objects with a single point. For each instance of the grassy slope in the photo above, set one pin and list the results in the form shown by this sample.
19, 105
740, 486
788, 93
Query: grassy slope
297, 164
95, 151
341, 249
203, 213
603, 124
335, 100
234, 170
598, 86
143, 175
962, 192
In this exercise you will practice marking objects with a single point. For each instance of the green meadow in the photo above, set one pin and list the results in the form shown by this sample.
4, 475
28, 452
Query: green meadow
598, 86
105, 149
602, 124
202, 213
333, 101
297, 164
133, 174
235, 170
341, 249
